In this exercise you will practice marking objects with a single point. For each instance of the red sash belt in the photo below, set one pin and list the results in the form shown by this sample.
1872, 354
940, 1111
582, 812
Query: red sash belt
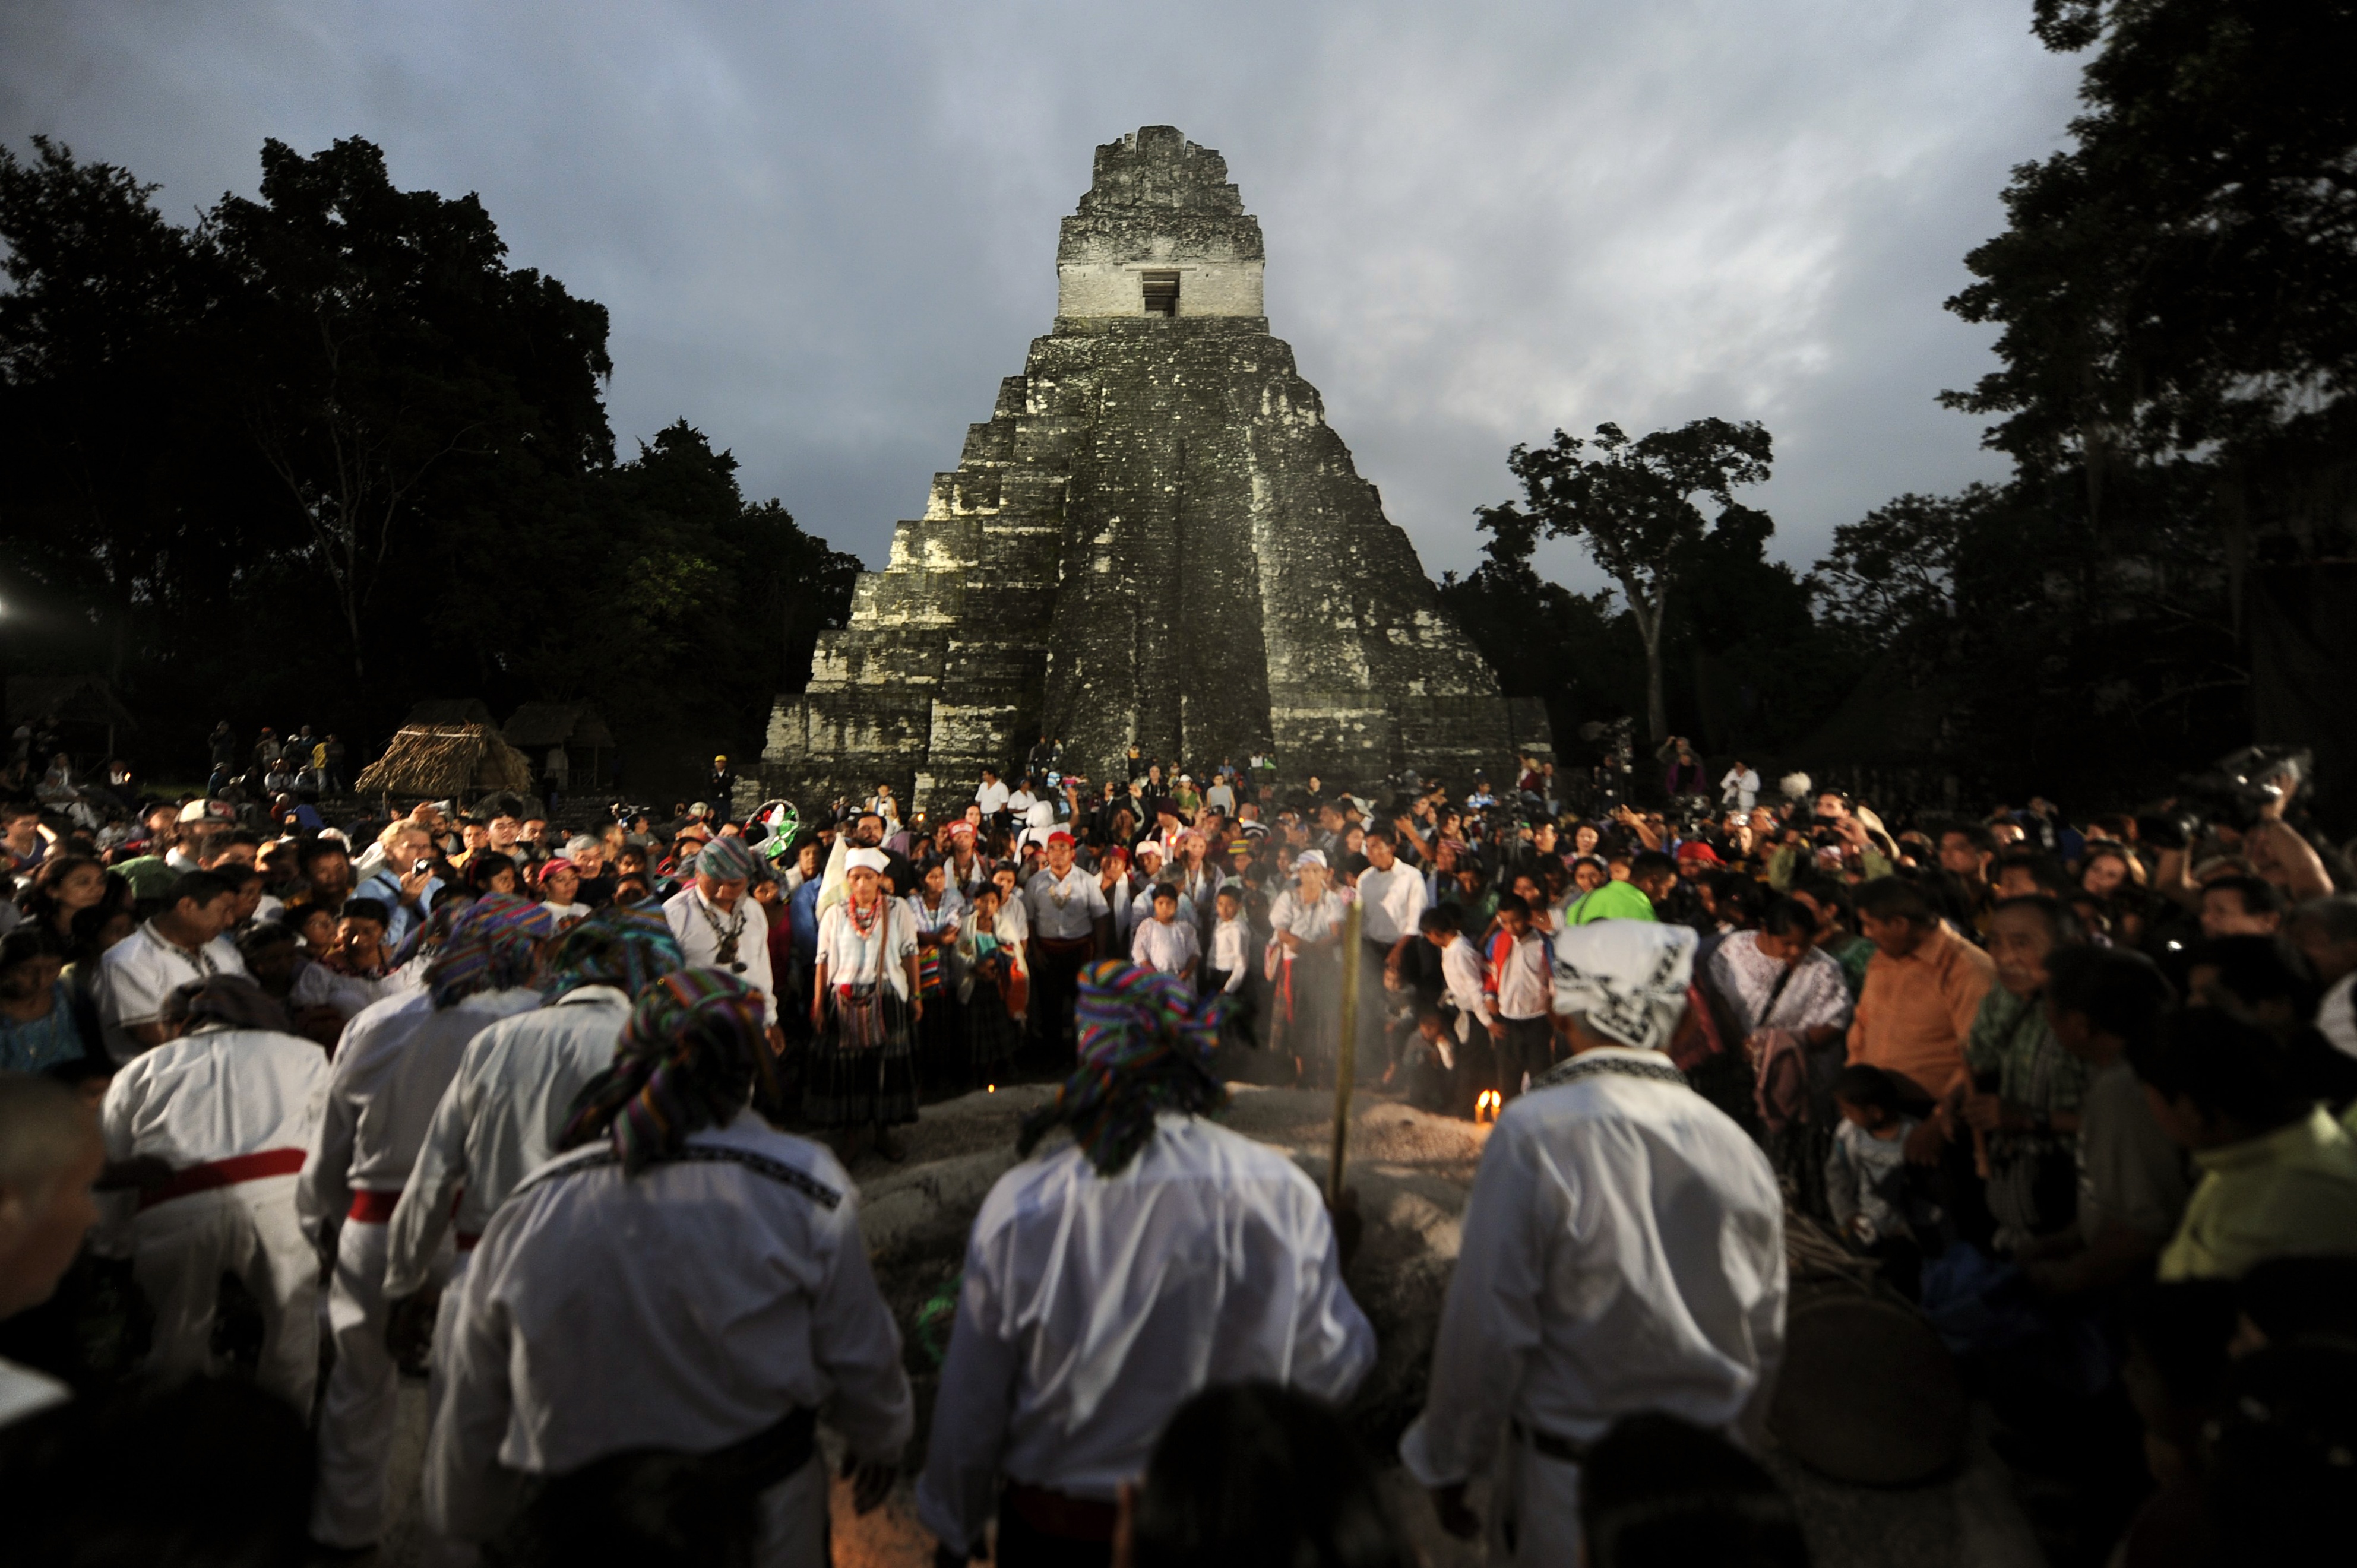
376, 1207
1060, 1516
223, 1173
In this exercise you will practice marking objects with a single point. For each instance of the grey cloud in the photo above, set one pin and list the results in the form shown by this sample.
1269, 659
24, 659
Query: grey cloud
824, 232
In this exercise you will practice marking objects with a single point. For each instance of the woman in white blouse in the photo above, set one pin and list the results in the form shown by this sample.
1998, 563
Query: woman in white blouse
936, 910
1308, 921
864, 1001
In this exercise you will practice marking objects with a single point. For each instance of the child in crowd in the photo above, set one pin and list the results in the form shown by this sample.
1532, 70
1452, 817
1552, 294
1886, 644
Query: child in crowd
1164, 941
1866, 1174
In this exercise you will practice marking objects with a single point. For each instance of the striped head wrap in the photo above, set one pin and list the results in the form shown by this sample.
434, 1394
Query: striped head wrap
728, 859
621, 945
693, 1050
1146, 1047
493, 945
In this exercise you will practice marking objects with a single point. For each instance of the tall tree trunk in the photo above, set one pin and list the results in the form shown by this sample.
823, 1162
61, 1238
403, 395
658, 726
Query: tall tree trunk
1649, 627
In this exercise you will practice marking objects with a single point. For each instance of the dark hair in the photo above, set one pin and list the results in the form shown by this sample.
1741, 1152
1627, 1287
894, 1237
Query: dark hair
2256, 895
2301, 1297
2225, 1065
315, 850
1514, 902
2046, 873
1830, 894
23, 945
1788, 916
2123, 994
485, 864
2182, 1328
1258, 1476
1894, 898
1973, 834
2062, 920
201, 887
367, 909
1863, 1085
1440, 917
265, 934
1163, 890
1645, 862
1659, 1492
2280, 1473
2258, 970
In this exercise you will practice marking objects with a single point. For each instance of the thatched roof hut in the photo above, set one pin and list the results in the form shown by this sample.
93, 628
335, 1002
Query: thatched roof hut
568, 724
66, 699
453, 759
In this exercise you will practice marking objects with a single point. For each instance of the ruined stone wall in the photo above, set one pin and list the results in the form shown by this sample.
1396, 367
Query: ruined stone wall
1155, 539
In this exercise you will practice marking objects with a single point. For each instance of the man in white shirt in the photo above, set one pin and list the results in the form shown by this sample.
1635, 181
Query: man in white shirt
994, 794
499, 1118
391, 1068
1465, 1051
1515, 983
1739, 790
1112, 1278
1623, 1250
50, 1153
184, 942
692, 1284
1164, 941
718, 925
221, 1117
1069, 922
1392, 900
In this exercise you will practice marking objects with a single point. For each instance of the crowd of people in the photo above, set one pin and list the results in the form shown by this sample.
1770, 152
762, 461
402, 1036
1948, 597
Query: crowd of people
525, 1108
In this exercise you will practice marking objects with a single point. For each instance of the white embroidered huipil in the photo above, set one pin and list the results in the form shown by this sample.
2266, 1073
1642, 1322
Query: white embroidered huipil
1065, 907
236, 1107
1815, 998
1170, 949
704, 931
391, 1068
498, 1122
687, 1308
1623, 1250
878, 955
1094, 1307
1312, 921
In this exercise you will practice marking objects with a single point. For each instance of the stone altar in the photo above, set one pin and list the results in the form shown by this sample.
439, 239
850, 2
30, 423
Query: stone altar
1156, 538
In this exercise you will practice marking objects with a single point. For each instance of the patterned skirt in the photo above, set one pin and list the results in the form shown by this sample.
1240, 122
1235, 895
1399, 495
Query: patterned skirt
863, 1066
1306, 1009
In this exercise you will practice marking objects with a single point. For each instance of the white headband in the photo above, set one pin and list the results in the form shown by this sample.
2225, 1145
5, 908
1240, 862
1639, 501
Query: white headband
1625, 979
865, 860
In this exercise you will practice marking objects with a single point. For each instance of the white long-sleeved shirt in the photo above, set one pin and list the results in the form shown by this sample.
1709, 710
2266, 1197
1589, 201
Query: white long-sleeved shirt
498, 1122
693, 920
685, 1308
1093, 1307
214, 1095
1232, 950
1523, 976
1391, 902
1170, 948
1465, 983
396, 1059
1623, 1250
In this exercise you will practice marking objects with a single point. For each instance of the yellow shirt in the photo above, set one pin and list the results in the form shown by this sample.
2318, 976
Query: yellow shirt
2291, 1191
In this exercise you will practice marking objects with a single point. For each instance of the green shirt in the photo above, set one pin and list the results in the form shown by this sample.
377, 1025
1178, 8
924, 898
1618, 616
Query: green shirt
2290, 1191
1613, 901
2010, 1036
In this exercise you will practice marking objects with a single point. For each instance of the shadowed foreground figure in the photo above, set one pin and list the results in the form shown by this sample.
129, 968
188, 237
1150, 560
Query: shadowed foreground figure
651, 1322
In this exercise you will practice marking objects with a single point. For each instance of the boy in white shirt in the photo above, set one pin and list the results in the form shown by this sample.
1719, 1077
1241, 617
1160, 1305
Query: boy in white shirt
1464, 990
1164, 941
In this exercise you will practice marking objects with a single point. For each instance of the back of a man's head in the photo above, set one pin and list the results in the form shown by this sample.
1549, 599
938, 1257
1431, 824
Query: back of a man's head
1659, 1492
46, 1132
1257, 1476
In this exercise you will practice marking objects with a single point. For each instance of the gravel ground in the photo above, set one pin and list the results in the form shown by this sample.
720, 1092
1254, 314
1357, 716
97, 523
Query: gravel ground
1411, 1172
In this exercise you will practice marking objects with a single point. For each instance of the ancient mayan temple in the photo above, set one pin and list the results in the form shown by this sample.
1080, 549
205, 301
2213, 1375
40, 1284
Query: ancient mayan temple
1155, 538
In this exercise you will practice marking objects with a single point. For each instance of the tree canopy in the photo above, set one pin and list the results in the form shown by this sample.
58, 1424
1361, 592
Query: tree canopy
330, 429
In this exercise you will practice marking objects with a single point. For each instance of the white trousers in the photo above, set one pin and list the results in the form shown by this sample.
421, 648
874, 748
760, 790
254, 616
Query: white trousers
1533, 1508
356, 1419
181, 1248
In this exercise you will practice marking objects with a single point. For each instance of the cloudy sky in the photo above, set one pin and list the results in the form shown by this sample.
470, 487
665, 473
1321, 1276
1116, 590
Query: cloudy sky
825, 231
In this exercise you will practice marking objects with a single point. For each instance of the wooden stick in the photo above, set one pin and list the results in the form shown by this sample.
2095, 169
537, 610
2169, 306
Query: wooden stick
1346, 1055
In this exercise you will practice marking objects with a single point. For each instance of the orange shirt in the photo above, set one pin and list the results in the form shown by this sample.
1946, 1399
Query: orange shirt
1915, 1012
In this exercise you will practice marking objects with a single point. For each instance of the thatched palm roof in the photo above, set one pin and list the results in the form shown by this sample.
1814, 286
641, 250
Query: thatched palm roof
461, 760
558, 724
67, 699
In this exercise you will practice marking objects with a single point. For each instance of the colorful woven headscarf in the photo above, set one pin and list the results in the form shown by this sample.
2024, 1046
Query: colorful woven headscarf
693, 1050
1146, 1047
727, 860
493, 946
622, 946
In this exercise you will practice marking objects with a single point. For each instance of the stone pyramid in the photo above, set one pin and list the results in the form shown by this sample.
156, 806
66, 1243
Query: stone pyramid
1156, 538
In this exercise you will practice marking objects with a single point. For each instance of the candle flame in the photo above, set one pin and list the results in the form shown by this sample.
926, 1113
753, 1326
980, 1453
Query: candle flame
1487, 1104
